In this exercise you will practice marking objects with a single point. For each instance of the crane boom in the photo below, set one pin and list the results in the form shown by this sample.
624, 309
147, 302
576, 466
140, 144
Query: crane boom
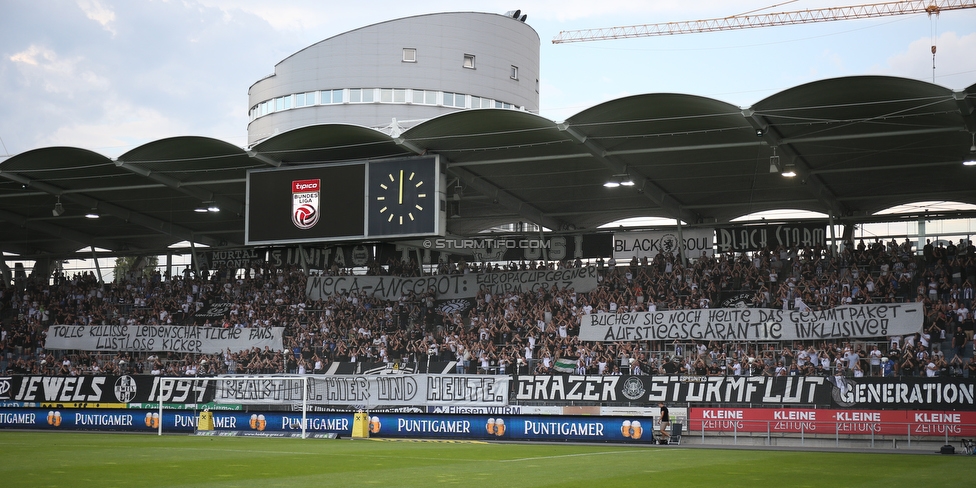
765, 20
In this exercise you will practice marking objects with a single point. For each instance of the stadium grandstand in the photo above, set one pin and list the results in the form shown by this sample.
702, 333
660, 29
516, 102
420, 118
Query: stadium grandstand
527, 331
295, 265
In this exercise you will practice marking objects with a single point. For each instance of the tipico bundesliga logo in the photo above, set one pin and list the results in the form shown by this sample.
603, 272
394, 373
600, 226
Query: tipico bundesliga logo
305, 203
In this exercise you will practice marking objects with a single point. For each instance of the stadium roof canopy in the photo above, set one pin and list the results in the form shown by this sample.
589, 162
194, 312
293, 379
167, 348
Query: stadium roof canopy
859, 145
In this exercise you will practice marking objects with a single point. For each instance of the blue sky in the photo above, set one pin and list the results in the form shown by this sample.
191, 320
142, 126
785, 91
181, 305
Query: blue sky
110, 75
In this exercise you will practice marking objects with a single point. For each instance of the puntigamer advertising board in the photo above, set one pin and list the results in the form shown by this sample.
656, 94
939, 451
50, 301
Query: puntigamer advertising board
628, 429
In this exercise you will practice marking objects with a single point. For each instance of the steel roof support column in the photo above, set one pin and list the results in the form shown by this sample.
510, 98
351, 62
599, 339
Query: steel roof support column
681, 246
833, 235
5, 272
920, 245
98, 268
302, 260
193, 258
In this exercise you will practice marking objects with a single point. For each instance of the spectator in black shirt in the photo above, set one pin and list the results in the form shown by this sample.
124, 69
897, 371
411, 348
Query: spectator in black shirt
665, 421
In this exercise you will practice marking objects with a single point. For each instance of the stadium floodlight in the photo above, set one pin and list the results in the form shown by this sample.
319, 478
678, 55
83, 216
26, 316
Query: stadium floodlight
789, 170
618, 180
207, 207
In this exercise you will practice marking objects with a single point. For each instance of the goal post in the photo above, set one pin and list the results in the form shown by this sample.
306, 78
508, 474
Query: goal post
242, 389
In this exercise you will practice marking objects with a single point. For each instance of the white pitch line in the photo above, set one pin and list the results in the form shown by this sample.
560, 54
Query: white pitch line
186, 449
568, 455
371, 456
235, 450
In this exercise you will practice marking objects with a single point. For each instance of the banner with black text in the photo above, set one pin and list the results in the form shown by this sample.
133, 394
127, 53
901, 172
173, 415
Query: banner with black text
818, 391
96, 391
368, 390
694, 242
162, 338
447, 287
755, 324
903, 392
770, 236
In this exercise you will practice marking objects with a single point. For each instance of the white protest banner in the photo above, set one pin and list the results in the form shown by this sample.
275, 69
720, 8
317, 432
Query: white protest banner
368, 390
627, 245
154, 338
755, 324
447, 287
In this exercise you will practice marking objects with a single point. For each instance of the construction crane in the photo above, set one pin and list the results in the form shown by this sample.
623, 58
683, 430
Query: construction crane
735, 22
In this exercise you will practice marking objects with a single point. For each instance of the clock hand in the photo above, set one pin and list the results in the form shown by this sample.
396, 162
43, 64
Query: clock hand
400, 201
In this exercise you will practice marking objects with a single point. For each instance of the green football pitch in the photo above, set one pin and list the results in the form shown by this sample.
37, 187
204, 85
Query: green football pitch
40, 459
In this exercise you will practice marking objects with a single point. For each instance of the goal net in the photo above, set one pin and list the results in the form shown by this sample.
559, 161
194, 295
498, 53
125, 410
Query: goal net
249, 391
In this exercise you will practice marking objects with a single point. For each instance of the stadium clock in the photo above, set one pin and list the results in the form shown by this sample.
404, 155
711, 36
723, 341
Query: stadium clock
402, 197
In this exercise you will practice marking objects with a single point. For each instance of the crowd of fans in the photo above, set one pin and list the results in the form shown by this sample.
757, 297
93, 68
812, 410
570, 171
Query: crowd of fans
525, 333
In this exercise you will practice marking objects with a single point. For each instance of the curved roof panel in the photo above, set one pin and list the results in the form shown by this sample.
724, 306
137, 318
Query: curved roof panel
878, 137
327, 143
859, 144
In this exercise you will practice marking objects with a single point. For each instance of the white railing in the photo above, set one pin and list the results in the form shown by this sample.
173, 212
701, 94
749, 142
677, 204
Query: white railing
838, 430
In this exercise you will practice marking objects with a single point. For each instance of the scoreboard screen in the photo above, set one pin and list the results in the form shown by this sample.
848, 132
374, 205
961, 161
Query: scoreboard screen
346, 201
